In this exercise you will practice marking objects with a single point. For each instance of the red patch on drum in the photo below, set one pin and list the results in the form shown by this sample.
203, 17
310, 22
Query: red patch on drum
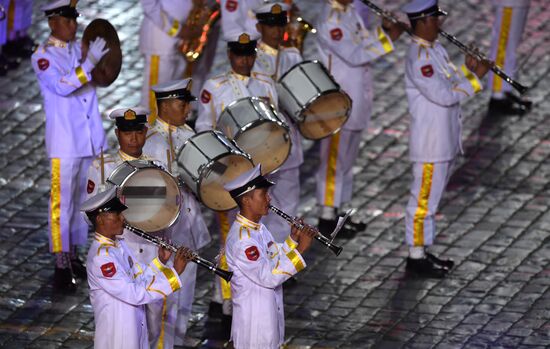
205, 96
108, 269
90, 187
231, 5
43, 64
427, 70
252, 253
336, 34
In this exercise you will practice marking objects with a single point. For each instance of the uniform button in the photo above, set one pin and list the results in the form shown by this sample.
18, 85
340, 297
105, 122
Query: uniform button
88, 117
84, 100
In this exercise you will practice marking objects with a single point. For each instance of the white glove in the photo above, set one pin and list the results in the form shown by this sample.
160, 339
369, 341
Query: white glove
96, 51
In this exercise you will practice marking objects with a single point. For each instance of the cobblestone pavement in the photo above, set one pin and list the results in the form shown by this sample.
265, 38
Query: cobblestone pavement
494, 219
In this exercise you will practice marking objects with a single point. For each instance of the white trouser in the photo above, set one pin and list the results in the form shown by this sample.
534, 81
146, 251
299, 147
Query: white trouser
285, 194
335, 174
507, 30
68, 191
167, 319
222, 288
427, 187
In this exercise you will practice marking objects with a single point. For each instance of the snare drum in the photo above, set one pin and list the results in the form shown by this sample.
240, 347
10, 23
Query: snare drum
151, 194
209, 160
311, 97
258, 130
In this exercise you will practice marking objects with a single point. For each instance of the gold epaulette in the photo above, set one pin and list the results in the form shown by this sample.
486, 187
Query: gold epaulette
263, 78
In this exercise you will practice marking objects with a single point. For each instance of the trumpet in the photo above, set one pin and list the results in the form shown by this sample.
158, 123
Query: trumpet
465, 49
319, 237
224, 274
192, 49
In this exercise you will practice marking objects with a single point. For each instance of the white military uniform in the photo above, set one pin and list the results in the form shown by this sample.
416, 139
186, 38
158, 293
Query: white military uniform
260, 266
286, 191
190, 230
237, 18
511, 16
343, 39
435, 88
120, 286
74, 136
22, 18
3, 24
158, 42
217, 93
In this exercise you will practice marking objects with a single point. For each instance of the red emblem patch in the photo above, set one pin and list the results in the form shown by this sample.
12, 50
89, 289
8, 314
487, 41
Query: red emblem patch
43, 64
231, 5
108, 269
90, 187
252, 253
336, 34
427, 71
205, 96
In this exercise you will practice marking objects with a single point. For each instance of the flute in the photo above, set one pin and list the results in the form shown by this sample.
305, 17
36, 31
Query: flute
465, 49
318, 236
224, 274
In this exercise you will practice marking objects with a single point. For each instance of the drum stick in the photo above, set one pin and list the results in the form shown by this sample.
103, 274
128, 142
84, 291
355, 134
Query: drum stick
102, 165
228, 132
168, 160
330, 63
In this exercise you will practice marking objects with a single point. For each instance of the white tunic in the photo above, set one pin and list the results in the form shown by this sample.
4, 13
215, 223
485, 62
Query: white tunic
73, 122
162, 21
218, 92
343, 40
260, 266
435, 88
238, 17
119, 288
266, 62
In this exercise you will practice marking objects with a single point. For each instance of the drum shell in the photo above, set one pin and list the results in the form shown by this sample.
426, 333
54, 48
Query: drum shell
304, 85
204, 154
257, 128
108, 68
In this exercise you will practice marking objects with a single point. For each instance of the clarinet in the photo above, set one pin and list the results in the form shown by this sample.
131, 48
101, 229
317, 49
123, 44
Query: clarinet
318, 236
224, 274
465, 49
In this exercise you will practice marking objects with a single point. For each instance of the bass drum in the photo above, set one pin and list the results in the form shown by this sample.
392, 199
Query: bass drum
107, 69
313, 99
151, 194
209, 160
258, 130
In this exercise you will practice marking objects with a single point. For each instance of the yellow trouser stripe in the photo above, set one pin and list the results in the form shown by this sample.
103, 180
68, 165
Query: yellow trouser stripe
422, 206
224, 230
160, 343
502, 43
55, 206
81, 75
384, 40
153, 80
11, 16
472, 79
330, 180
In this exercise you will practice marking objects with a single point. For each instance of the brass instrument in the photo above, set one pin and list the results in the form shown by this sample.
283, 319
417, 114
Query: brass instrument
296, 29
193, 48
465, 49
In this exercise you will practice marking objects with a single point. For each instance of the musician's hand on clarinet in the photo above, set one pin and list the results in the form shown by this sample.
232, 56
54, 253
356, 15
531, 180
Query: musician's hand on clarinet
478, 67
164, 254
306, 237
183, 256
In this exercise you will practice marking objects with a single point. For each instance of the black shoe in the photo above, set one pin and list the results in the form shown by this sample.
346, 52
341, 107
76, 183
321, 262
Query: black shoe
527, 103
63, 280
357, 226
445, 263
9, 62
327, 226
79, 269
22, 48
509, 105
424, 267
218, 326
3, 70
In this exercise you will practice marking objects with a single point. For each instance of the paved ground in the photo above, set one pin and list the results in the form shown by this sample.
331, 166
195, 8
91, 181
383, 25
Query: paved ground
494, 219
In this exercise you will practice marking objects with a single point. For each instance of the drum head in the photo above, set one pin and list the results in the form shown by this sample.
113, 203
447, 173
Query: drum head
268, 143
153, 199
107, 69
325, 115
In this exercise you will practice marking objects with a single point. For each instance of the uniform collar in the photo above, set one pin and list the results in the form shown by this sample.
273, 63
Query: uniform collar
166, 125
267, 49
338, 6
104, 240
126, 157
240, 77
53, 41
247, 222
422, 42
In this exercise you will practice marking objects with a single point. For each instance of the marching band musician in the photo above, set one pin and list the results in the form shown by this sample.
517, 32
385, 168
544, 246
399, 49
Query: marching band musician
347, 48
217, 93
74, 133
260, 265
435, 88
238, 17
273, 60
511, 16
165, 139
120, 285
